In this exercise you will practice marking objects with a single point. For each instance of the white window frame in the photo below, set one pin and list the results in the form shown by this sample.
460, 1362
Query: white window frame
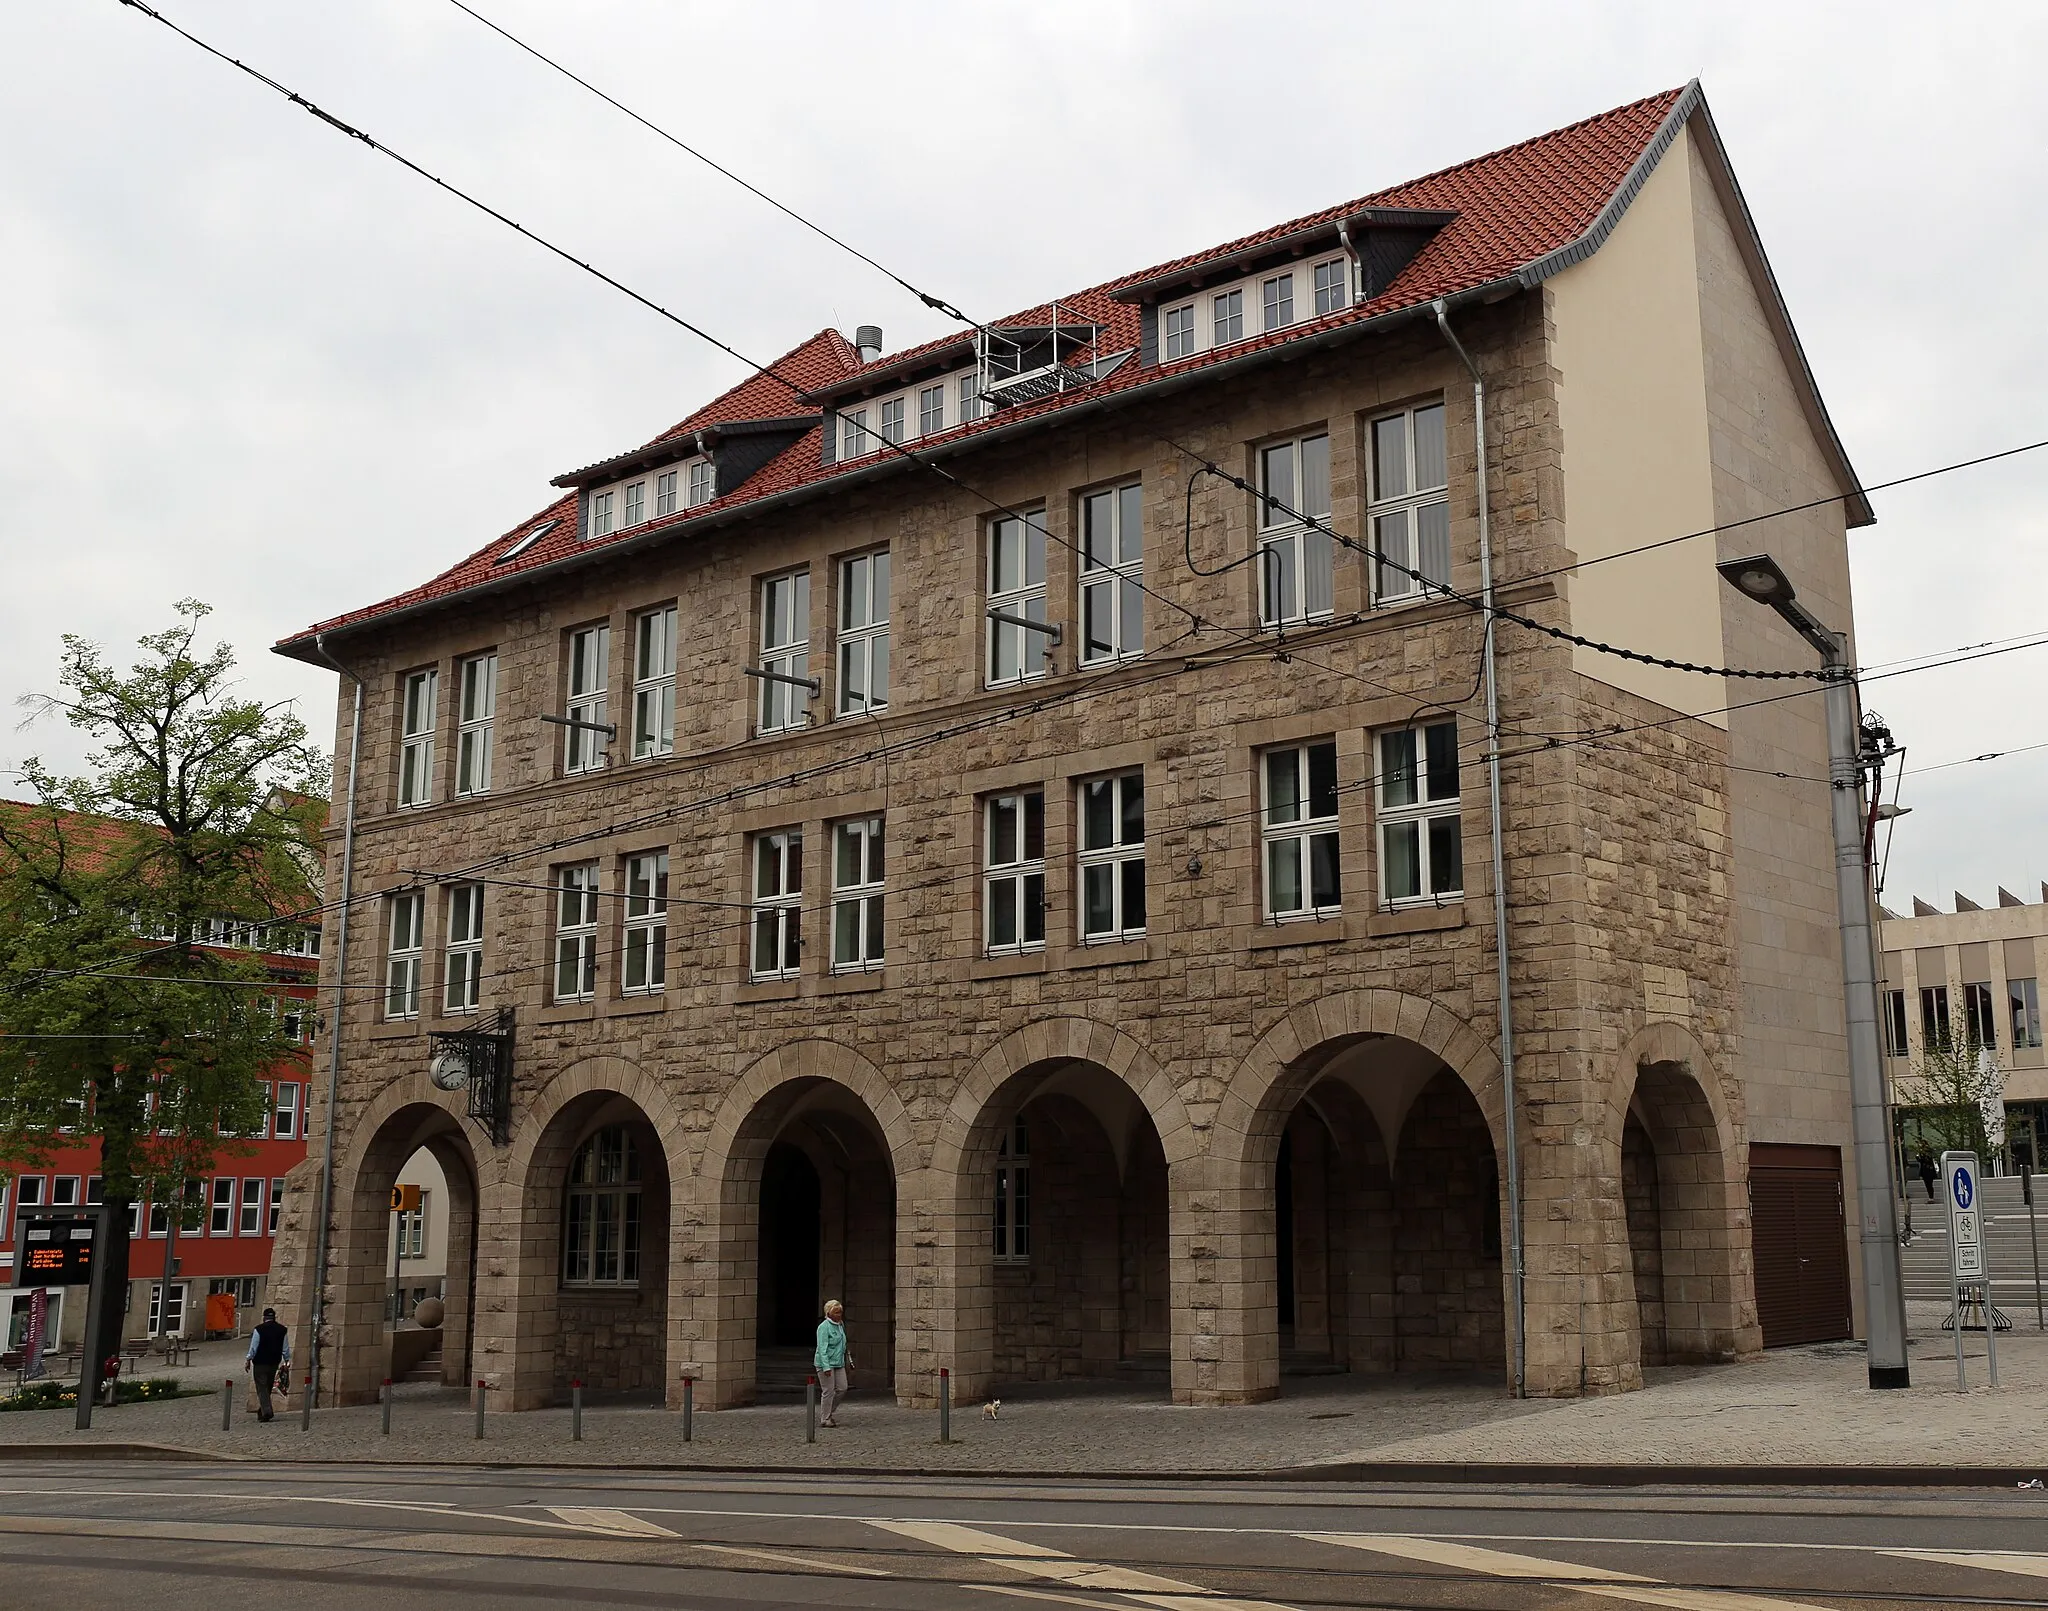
1276, 309
1297, 563
462, 966
250, 1219
285, 1112
665, 492
1112, 579
654, 683
160, 1313
601, 513
220, 1220
476, 711
1413, 765
276, 1205
1013, 873
1330, 285
703, 481
643, 969
1226, 317
1109, 829
66, 1191
1016, 591
864, 633
785, 650
405, 935
1177, 336
576, 903
1293, 832
859, 893
777, 872
28, 1192
605, 1200
635, 500
1410, 522
1013, 1195
419, 702
931, 409
412, 1229
889, 418
589, 697
853, 433
971, 406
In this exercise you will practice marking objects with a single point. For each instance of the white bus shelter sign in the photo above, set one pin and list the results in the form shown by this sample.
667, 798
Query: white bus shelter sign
1965, 1220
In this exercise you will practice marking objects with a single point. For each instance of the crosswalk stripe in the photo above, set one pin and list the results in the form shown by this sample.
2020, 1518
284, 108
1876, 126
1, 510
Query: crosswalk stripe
1470, 1558
600, 1519
1988, 1560
965, 1540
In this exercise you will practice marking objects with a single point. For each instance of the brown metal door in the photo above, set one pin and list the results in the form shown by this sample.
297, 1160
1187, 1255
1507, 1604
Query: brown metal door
1799, 1243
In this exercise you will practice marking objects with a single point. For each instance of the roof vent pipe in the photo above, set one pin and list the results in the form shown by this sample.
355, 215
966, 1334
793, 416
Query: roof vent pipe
868, 341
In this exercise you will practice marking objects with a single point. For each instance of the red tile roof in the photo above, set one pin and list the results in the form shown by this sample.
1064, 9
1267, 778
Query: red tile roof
1512, 207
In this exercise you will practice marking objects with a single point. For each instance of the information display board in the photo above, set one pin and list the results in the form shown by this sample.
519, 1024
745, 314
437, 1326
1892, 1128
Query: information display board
56, 1251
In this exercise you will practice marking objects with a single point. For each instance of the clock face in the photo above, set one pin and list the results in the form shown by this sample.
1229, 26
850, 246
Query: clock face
450, 1071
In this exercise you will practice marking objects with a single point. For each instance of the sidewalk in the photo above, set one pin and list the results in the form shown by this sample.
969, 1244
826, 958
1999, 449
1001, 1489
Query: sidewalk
1794, 1408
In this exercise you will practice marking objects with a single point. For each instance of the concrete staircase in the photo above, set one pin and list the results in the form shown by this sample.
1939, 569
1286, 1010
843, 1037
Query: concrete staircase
426, 1369
2007, 1250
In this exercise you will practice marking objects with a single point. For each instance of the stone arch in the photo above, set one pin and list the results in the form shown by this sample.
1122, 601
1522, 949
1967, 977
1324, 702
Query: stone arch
1131, 1226
782, 1087
542, 1335
1668, 1135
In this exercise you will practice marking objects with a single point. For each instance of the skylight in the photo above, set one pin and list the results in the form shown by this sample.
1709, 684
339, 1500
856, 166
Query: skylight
527, 541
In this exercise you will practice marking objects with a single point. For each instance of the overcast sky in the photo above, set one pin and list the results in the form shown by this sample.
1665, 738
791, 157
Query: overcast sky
247, 360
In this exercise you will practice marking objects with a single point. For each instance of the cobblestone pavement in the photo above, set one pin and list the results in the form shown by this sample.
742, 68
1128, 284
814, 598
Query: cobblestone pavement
1793, 1406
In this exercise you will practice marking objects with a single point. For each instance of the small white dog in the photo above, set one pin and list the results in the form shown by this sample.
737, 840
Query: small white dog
992, 1410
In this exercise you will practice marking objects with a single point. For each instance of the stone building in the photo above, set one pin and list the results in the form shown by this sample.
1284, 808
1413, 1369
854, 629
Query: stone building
1124, 999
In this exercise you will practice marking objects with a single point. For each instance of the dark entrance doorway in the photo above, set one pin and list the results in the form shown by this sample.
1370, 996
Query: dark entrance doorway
789, 1251
1799, 1243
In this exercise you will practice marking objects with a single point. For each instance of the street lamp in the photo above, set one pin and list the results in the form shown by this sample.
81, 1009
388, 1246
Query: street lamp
1761, 578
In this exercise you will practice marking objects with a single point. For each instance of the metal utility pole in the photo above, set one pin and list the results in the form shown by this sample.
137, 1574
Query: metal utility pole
1760, 577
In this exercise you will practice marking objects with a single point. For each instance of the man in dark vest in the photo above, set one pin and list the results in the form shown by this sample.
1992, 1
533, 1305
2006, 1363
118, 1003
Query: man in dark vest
270, 1351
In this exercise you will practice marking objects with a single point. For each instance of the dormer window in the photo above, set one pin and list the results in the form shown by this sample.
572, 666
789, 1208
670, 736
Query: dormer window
1277, 296
1177, 331
1333, 286
665, 493
636, 503
931, 410
1227, 324
601, 514
892, 419
853, 426
703, 482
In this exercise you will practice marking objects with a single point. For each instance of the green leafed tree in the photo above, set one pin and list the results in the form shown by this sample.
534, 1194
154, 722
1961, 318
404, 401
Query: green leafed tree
1948, 1098
123, 1015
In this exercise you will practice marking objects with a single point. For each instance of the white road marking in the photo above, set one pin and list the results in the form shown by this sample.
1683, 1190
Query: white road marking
617, 1522
791, 1560
1990, 1560
1466, 1558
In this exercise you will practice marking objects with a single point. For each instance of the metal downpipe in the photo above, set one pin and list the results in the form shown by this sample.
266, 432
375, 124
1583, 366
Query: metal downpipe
1517, 1337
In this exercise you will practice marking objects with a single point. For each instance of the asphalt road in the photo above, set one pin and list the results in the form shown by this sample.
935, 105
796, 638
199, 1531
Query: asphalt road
91, 1535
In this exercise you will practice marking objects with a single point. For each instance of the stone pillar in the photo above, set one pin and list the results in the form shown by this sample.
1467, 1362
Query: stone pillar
1226, 1336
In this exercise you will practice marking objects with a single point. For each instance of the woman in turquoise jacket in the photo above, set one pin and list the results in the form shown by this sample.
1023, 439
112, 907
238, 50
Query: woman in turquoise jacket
832, 1359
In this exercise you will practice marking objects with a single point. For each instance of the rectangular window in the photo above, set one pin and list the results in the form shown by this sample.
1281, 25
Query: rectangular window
2023, 1000
703, 482
1300, 831
276, 1204
778, 905
931, 410
1297, 576
590, 658
412, 1231
221, 1221
402, 955
167, 1319
464, 958
1226, 322
1016, 586
416, 743
645, 969
95, 1191
1421, 837
601, 513
1278, 296
970, 396
1411, 511
1013, 1196
1013, 886
785, 650
1112, 858
1895, 1023
1177, 331
478, 680
1980, 1018
853, 433
286, 1113
636, 503
64, 1191
1333, 291
654, 684
576, 932
864, 633
891, 420
28, 1192
252, 1208
665, 493
1934, 1021
1112, 574
857, 887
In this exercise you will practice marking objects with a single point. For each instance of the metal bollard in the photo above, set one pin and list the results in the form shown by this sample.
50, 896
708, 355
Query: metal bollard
227, 1402
305, 1404
575, 1412
482, 1387
945, 1405
386, 1396
689, 1404
811, 1408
